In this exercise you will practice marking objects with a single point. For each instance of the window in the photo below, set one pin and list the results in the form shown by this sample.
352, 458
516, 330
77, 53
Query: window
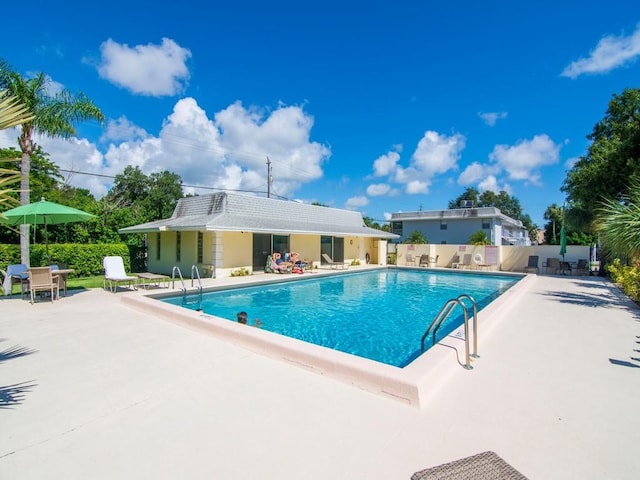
158, 246
281, 243
486, 224
396, 227
443, 224
178, 245
200, 246
443, 242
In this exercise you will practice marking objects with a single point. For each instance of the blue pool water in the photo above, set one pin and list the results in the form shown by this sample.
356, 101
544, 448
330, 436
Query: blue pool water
377, 314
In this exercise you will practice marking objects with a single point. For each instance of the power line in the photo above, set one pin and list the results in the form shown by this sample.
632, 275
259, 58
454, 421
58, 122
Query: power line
182, 184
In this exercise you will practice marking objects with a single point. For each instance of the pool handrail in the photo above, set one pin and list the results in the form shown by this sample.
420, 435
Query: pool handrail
444, 312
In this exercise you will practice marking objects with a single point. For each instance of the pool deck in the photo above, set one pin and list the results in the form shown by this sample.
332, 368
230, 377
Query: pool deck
93, 388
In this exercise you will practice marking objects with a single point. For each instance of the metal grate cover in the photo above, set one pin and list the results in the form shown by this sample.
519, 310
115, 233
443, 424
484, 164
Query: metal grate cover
483, 466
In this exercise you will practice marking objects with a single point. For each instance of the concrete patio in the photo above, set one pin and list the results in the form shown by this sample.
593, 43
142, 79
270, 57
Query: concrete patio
91, 388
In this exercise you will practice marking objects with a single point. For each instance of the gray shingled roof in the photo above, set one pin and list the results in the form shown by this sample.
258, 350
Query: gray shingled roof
235, 212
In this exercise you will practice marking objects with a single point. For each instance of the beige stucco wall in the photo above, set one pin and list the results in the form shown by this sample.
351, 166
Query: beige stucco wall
307, 246
509, 258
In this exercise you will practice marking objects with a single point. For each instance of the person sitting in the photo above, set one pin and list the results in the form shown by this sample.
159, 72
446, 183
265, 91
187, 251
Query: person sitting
280, 261
273, 266
295, 259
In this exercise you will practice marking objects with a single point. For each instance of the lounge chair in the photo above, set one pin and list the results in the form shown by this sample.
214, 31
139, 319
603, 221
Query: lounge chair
424, 261
466, 261
41, 280
272, 267
532, 264
114, 274
17, 273
333, 264
433, 261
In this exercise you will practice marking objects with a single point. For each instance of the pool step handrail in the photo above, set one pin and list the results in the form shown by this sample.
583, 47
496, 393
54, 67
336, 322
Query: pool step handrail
195, 275
444, 312
174, 270
475, 322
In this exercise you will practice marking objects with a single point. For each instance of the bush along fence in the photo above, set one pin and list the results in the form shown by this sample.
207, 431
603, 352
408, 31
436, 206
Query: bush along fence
85, 259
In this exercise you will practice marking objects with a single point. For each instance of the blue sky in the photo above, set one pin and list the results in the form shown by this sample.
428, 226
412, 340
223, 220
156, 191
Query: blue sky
374, 106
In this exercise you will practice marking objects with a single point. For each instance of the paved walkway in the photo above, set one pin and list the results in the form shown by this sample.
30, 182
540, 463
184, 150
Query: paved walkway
91, 389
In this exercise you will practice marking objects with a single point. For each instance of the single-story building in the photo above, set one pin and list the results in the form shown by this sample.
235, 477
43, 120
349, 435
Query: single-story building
456, 225
224, 232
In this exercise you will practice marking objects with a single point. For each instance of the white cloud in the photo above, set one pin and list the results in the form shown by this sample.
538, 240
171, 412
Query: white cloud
385, 164
153, 70
610, 52
437, 153
227, 152
473, 173
356, 202
523, 160
490, 118
379, 189
416, 186
122, 129
491, 183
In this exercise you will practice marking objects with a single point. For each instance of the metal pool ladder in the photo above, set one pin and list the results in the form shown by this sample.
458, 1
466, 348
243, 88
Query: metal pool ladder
195, 275
444, 312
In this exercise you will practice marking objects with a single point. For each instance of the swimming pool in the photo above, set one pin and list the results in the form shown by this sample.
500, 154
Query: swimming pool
380, 315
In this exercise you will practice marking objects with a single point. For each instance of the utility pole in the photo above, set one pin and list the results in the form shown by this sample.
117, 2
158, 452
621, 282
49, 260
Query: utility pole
269, 178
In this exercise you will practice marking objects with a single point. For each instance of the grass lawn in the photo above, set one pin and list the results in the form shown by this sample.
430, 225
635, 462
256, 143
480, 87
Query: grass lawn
85, 282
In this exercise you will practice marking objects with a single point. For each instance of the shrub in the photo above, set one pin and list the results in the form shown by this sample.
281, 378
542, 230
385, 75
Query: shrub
626, 276
241, 272
85, 259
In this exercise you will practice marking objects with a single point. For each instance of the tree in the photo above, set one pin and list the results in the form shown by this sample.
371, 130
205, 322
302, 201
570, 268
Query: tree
416, 237
553, 215
479, 238
612, 158
469, 196
618, 222
12, 113
372, 223
54, 116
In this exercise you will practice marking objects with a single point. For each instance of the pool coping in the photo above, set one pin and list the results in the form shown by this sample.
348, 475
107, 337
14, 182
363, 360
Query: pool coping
412, 385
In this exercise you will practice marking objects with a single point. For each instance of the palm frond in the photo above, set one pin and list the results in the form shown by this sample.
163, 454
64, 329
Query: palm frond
12, 111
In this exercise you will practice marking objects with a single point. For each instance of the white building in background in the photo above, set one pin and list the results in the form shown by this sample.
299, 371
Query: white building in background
455, 226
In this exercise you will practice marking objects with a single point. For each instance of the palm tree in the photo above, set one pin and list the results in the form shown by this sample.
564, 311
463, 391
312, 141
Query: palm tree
619, 222
12, 113
54, 116
479, 238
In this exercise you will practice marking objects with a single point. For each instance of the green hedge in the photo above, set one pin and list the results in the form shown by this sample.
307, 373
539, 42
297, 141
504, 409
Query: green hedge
85, 259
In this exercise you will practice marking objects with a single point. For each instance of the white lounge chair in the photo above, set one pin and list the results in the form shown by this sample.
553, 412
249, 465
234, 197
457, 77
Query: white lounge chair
114, 274
333, 264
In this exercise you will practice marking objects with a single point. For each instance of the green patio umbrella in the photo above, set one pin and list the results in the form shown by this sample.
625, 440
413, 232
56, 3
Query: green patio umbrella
563, 242
43, 213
